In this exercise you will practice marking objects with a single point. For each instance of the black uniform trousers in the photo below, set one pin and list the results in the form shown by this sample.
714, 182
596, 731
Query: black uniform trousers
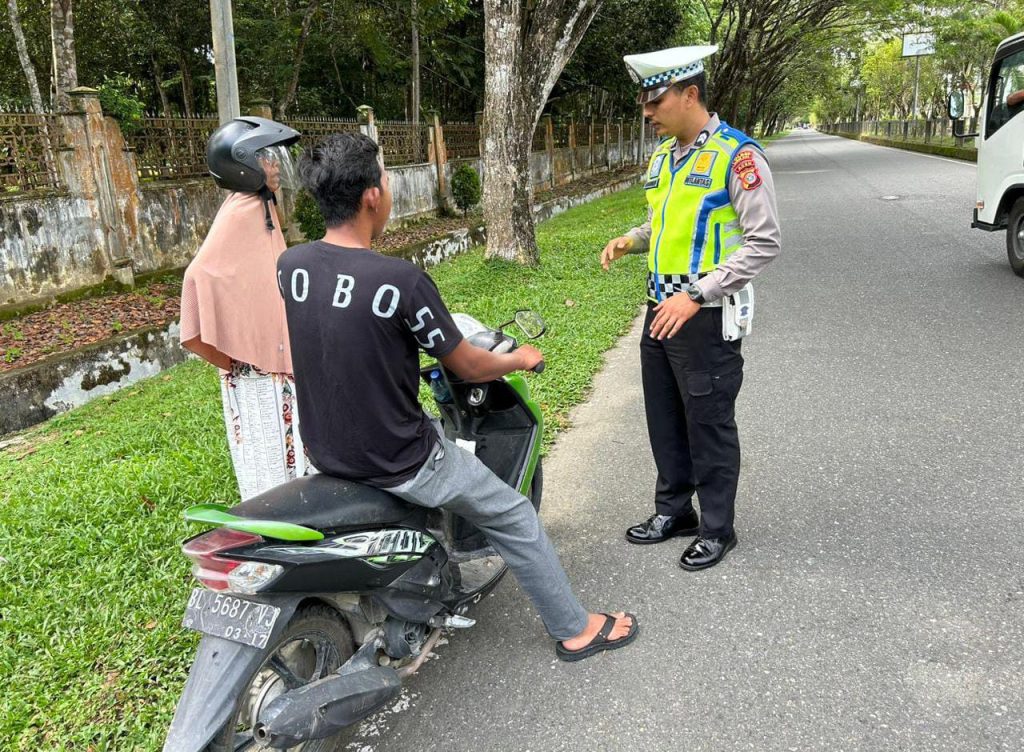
690, 385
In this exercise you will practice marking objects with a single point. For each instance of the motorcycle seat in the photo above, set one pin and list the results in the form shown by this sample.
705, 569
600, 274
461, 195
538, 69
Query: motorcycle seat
323, 502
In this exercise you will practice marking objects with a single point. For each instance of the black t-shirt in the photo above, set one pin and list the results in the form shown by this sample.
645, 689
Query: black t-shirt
356, 321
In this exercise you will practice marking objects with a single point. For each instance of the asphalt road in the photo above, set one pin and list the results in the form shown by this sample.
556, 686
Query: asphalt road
876, 599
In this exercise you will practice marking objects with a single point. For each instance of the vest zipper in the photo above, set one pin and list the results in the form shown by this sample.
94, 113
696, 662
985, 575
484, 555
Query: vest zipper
664, 206
661, 231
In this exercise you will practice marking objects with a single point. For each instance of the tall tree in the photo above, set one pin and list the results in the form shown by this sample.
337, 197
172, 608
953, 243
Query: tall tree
26, 62
526, 46
289, 97
595, 82
761, 42
65, 64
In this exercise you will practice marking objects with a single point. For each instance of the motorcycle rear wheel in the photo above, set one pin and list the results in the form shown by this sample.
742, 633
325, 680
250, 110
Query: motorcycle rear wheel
315, 643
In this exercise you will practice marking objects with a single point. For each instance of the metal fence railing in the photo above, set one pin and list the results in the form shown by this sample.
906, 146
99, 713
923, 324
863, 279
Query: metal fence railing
462, 140
168, 148
314, 129
540, 136
171, 148
561, 130
28, 152
403, 143
582, 135
938, 132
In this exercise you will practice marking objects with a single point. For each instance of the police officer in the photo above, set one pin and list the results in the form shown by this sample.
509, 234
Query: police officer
712, 227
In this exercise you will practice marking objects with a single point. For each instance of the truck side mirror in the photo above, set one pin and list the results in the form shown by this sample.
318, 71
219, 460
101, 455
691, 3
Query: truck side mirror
955, 105
955, 109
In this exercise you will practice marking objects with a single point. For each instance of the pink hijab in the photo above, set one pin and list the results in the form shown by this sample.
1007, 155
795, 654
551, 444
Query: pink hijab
229, 297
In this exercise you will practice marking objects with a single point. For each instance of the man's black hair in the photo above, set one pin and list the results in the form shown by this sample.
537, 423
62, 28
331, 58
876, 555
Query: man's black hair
700, 81
336, 172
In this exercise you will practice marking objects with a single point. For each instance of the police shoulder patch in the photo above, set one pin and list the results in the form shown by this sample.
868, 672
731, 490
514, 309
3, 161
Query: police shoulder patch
746, 169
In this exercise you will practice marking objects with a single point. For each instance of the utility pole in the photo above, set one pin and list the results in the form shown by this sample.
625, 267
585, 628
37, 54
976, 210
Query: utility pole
643, 127
224, 60
415, 64
916, 45
917, 80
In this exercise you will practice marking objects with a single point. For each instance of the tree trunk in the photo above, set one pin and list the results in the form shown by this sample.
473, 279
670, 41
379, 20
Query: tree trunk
293, 87
158, 79
526, 46
187, 101
65, 66
26, 61
508, 186
415, 82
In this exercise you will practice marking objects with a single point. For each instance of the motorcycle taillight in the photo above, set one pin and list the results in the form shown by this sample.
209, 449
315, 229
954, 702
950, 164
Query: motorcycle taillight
208, 566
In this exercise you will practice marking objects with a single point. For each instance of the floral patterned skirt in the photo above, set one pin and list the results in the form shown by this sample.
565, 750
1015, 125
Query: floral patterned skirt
263, 428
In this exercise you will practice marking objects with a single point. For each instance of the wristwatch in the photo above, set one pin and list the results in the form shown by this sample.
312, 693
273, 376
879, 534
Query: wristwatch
695, 294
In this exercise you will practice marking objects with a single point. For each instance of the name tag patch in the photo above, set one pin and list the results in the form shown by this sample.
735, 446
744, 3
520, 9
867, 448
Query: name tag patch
655, 172
700, 181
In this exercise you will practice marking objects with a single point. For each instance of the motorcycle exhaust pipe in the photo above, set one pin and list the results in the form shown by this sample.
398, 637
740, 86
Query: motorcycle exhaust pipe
325, 707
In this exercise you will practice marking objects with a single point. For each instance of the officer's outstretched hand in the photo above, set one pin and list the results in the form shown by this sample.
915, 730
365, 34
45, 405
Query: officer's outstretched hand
670, 315
616, 249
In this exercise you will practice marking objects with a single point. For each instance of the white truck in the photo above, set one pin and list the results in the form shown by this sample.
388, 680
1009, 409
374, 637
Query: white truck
1000, 142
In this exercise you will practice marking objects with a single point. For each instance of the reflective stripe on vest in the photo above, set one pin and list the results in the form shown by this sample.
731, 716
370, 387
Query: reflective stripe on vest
694, 227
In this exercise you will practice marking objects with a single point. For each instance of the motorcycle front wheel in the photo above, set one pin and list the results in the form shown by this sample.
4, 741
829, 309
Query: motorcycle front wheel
315, 643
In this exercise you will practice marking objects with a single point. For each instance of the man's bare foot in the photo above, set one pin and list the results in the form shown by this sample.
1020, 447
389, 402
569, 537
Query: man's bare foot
623, 624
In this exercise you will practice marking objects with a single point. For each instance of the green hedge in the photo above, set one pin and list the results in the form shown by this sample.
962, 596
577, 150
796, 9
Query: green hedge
955, 152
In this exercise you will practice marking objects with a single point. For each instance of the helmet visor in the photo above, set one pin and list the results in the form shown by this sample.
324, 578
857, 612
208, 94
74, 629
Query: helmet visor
278, 167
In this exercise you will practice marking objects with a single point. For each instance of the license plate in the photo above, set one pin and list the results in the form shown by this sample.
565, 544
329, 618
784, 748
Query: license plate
230, 617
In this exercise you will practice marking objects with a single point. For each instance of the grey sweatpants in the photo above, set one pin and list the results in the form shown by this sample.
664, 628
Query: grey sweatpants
455, 480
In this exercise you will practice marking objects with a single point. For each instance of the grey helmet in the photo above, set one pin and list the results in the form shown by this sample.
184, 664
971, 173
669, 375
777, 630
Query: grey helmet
235, 150
231, 153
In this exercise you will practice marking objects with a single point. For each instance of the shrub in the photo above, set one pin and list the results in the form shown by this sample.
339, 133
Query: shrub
308, 216
118, 100
465, 187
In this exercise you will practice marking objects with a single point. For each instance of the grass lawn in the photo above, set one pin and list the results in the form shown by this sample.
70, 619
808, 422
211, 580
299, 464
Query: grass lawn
92, 586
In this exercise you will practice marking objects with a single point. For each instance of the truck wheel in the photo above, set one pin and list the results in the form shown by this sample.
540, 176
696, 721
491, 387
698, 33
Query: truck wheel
1015, 237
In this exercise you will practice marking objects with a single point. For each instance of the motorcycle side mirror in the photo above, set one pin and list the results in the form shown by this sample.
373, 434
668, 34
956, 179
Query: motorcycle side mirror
955, 105
530, 323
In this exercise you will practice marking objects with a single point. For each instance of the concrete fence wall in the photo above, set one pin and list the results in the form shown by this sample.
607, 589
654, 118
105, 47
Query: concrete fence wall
98, 220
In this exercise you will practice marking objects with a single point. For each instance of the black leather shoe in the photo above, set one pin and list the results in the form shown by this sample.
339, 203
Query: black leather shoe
661, 527
706, 552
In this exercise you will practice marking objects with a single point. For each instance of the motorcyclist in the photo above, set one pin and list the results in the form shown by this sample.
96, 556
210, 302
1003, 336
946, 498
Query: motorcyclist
357, 321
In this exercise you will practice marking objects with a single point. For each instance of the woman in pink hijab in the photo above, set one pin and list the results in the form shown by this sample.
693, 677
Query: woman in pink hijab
232, 314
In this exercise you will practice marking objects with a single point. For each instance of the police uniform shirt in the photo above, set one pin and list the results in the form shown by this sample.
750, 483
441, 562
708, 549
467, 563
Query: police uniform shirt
752, 194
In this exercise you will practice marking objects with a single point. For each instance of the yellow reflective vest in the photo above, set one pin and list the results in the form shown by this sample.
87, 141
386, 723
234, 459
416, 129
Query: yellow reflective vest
694, 227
